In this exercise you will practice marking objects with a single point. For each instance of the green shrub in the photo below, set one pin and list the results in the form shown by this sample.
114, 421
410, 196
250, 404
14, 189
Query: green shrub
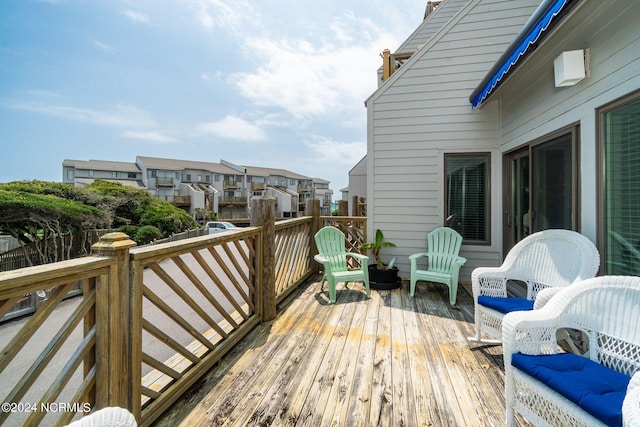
147, 234
129, 230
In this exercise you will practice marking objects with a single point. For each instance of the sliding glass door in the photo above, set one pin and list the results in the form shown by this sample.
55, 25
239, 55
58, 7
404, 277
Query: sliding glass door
540, 182
620, 204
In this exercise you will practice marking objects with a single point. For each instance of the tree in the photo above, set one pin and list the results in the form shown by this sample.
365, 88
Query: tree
123, 204
166, 217
45, 220
48, 215
133, 206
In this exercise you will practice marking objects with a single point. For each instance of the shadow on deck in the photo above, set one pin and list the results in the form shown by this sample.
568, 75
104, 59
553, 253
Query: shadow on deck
390, 360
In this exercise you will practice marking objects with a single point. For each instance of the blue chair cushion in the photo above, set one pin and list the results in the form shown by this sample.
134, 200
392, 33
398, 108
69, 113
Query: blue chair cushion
595, 388
506, 305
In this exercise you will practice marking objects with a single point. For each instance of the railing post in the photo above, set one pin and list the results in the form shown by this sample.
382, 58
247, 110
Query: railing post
113, 349
262, 214
312, 209
343, 208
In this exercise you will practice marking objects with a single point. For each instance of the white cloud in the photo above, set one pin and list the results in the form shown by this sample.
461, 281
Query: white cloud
103, 46
148, 136
233, 127
334, 152
136, 16
123, 116
315, 77
212, 14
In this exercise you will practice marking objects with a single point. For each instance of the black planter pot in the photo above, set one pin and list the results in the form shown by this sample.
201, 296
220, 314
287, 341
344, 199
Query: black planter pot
383, 279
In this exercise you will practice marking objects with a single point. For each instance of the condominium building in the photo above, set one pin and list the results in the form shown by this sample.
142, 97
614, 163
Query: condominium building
222, 188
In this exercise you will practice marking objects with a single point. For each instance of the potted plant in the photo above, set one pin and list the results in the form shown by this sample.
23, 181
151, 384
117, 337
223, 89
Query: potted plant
381, 275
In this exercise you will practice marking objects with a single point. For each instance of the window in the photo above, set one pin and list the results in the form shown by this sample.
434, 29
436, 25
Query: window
216, 178
90, 173
131, 175
152, 173
69, 174
188, 177
199, 178
115, 174
207, 178
620, 186
467, 195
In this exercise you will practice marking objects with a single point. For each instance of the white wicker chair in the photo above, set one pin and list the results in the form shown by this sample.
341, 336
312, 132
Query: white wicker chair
607, 309
631, 404
543, 260
112, 416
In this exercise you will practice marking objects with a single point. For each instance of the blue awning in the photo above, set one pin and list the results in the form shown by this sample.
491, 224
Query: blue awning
540, 21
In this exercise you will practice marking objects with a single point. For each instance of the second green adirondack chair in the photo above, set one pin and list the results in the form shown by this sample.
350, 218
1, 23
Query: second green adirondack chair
333, 257
443, 246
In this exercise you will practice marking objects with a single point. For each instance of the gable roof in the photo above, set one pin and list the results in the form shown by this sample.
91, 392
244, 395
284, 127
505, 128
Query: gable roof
179, 165
431, 24
360, 168
426, 35
101, 165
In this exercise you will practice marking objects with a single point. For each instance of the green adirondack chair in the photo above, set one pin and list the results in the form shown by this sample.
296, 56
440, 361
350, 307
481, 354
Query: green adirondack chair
333, 257
444, 264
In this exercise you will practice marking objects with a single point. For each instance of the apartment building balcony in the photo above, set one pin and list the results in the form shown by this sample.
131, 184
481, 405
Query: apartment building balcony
235, 200
182, 201
164, 181
304, 188
258, 186
231, 185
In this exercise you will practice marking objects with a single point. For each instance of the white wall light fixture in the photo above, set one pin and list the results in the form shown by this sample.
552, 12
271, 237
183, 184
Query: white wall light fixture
569, 68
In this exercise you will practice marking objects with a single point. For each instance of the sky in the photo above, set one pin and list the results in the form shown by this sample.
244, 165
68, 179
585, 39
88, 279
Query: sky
268, 83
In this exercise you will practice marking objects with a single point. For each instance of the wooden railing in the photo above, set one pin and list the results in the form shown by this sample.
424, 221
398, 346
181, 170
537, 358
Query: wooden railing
71, 344
191, 302
150, 322
60, 248
232, 200
292, 254
354, 228
195, 232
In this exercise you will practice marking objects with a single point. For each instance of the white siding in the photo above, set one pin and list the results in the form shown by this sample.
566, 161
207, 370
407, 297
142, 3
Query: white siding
357, 182
532, 106
432, 24
422, 112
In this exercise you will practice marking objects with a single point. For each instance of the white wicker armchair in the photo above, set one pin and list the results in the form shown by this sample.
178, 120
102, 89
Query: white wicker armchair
543, 260
112, 416
607, 310
631, 404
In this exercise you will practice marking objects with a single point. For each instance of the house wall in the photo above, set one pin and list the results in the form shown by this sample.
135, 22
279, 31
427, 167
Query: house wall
531, 105
423, 112
357, 183
434, 22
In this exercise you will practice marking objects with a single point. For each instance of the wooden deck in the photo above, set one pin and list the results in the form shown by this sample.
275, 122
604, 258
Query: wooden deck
389, 360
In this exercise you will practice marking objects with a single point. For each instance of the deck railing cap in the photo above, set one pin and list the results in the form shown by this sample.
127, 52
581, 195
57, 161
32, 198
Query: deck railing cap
112, 242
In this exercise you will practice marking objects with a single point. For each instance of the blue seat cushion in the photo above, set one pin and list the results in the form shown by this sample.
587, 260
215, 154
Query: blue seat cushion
595, 388
506, 305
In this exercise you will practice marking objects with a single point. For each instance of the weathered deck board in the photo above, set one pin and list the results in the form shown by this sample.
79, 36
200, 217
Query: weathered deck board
388, 360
